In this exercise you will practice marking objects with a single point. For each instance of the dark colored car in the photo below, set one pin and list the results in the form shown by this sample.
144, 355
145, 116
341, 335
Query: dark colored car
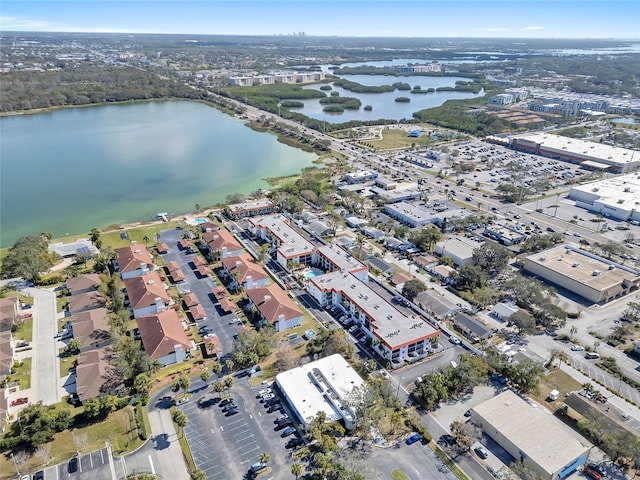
295, 442
232, 411
72, 466
273, 401
288, 431
226, 401
413, 439
274, 408
38, 475
284, 423
468, 413
230, 406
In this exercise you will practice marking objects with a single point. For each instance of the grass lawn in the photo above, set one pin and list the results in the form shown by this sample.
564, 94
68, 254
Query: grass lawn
119, 428
61, 302
112, 238
66, 363
556, 380
397, 138
397, 474
24, 330
22, 374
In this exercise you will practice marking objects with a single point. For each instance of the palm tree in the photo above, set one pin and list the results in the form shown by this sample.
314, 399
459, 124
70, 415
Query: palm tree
218, 387
596, 344
205, 376
180, 419
562, 357
265, 457
572, 330
296, 470
146, 240
228, 382
216, 368
197, 207
229, 364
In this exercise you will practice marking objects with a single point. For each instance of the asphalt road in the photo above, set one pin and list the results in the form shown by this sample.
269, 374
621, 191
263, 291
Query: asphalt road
98, 465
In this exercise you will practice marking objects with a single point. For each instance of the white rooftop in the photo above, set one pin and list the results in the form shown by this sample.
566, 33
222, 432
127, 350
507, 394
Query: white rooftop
321, 386
342, 259
388, 323
82, 245
250, 205
620, 192
292, 244
532, 430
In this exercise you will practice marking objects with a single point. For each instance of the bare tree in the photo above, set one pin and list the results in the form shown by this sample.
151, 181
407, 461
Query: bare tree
43, 452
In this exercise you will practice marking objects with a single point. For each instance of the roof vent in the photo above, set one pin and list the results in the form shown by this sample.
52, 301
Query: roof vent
575, 265
595, 273
611, 267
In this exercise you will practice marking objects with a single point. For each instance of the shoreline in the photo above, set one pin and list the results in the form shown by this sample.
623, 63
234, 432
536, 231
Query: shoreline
189, 215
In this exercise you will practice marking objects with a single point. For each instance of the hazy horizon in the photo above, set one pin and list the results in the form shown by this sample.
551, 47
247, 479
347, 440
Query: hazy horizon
501, 19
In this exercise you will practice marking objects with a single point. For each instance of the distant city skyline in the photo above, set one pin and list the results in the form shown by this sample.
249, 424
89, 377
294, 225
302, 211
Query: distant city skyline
601, 19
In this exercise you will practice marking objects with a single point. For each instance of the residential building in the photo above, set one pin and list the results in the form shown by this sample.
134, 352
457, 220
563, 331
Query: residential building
531, 435
436, 304
8, 313
146, 295
96, 374
7, 353
163, 337
504, 310
396, 337
471, 327
275, 307
92, 328
132, 261
250, 208
245, 272
328, 385
221, 244
83, 283
82, 246
175, 272
85, 301
290, 247
592, 277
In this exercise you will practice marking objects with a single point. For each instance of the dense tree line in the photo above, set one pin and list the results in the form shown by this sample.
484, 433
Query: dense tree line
454, 114
27, 90
28, 257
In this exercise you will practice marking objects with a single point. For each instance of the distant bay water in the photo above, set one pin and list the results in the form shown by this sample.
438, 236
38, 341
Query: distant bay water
71, 170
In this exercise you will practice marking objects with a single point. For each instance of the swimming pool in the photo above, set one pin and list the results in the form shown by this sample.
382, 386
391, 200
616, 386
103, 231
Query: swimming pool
200, 221
310, 274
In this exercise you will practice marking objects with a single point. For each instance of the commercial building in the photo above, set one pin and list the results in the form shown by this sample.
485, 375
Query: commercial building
409, 214
592, 277
616, 197
361, 176
327, 385
590, 155
459, 249
505, 234
531, 435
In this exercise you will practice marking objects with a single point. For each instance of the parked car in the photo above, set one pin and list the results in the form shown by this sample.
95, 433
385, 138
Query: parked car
274, 408
19, 401
265, 391
481, 452
295, 442
591, 355
413, 439
226, 401
230, 406
282, 418
267, 397
38, 475
577, 348
592, 473
72, 466
232, 411
455, 340
288, 431
468, 413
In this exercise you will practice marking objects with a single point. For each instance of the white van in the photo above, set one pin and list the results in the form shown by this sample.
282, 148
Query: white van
591, 355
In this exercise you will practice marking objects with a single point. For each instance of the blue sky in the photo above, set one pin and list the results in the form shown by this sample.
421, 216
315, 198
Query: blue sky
384, 18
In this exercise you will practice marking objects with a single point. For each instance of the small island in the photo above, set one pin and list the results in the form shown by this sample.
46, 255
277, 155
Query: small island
403, 99
368, 108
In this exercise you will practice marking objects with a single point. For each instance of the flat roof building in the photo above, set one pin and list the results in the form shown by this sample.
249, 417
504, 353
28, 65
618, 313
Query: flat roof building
592, 277
460, 249
616, 197
289, 244
325, 385
617, 159
531, 435
250, 208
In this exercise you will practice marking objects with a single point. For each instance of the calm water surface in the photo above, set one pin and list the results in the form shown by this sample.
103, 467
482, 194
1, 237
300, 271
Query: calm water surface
71, 170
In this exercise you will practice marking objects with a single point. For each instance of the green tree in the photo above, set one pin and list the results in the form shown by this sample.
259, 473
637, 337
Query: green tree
218, 387
28, 258
198, 474
462, 433
205, 376
470, 277
142, 384
72, 348
180, 420
297, 469
228, 383
413, 288
491, 257
184, 383
265, 457
94, 235
216, 368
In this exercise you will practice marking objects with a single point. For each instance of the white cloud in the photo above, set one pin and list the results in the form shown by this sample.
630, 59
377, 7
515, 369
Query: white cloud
27, 25
532, 27
14, 23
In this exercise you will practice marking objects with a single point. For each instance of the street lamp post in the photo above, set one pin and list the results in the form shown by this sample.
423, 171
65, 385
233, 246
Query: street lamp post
15, 465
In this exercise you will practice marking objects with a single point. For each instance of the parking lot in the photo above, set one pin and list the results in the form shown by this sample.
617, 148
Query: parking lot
239, 438
92, 466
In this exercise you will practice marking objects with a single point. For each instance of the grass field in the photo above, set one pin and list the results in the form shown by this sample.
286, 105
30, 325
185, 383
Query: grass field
22, 374
397, 138
66, 363
556, 380
119, 428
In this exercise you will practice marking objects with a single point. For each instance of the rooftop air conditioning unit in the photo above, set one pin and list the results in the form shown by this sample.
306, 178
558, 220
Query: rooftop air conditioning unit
575, 265
595, 273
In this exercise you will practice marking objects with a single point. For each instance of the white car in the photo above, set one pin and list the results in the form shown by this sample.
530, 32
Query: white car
268, 396
577, 348
264, 392
455, 340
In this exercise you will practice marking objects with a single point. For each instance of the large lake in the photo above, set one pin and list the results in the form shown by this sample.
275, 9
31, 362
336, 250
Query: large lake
71, 170
384, 104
